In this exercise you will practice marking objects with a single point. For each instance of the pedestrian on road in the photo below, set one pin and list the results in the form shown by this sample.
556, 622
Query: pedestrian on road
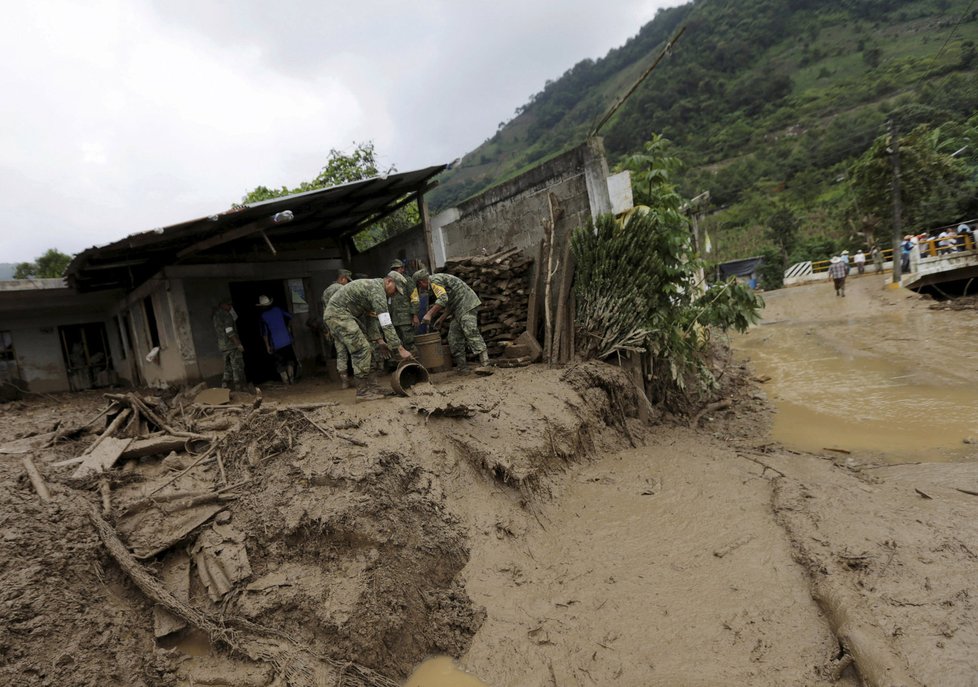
276, 331
837, 272
230, 346
877, 255
860, 260
453, 296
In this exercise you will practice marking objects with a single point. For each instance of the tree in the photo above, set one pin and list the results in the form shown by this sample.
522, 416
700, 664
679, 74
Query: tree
782, 231
933, 185
51, 265
343, 168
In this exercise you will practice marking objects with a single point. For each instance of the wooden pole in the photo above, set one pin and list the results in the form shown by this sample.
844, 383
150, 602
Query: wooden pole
426, 225
897, 205
39, 485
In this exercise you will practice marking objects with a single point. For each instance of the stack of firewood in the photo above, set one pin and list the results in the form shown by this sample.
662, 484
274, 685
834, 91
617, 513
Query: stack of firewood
503, 282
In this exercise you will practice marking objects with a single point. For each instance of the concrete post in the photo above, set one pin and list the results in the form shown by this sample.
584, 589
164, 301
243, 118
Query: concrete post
596, 177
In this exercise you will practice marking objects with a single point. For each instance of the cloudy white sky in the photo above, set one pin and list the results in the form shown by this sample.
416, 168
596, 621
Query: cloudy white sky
124, 115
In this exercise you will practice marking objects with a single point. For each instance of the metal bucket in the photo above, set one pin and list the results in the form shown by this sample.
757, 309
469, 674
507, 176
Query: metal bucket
430, 353
406, 376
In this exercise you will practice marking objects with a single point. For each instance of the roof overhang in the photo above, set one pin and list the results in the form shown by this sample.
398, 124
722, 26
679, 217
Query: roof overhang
327, 215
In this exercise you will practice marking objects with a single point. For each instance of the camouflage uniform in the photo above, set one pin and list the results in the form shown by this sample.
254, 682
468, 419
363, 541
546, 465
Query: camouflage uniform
401, 312
342, 354
457, 297
234, 371
360, 298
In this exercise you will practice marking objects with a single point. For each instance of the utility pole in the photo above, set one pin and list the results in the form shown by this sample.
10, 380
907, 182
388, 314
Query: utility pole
894, 150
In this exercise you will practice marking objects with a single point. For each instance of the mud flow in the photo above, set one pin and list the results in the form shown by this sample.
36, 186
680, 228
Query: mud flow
878, 372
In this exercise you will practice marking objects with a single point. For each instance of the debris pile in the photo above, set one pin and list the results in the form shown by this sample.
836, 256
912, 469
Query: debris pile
502, 281
307, 543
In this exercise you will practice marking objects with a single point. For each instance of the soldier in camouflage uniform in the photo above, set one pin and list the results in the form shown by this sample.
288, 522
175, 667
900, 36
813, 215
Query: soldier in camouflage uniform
360, 298
342, 354
403, 313
230, 346
452, 295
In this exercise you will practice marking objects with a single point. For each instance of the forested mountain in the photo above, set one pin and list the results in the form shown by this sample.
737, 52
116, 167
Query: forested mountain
770, 104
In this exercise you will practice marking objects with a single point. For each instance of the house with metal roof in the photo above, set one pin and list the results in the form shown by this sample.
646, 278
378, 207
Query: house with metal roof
139, 310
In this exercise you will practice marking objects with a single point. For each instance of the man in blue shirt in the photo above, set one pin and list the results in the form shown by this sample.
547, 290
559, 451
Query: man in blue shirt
276, 330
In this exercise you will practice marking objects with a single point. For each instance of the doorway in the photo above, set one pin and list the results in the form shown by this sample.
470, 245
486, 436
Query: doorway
259, 366
88, 360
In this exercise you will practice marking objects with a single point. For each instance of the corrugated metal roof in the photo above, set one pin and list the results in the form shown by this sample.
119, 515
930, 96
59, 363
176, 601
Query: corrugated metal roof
326, 215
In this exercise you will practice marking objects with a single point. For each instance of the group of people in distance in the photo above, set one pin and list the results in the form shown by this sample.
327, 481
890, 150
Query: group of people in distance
948, 240
372, 319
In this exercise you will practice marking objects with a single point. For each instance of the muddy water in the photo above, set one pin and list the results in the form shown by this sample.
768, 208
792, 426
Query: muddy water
876, 373
441, 672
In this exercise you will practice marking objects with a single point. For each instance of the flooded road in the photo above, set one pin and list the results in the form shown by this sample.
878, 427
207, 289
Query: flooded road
877, 372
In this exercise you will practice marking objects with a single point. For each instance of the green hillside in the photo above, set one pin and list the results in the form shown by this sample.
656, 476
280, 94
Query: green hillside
769, 103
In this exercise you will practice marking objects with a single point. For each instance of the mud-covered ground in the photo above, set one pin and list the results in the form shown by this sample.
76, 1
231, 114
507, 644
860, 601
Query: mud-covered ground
520, 523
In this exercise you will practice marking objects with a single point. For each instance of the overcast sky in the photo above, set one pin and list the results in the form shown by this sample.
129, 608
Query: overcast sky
120, 116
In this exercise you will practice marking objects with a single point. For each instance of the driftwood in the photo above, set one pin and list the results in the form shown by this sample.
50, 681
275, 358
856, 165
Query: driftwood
710, 408
109, 431
878, 663
36, 479
331, 433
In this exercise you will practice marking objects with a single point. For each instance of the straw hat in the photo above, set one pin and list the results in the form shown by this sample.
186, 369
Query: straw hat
264, 301
835, 258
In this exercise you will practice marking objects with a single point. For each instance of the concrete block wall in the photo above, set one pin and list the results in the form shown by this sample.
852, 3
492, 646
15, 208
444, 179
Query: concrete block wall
511, 214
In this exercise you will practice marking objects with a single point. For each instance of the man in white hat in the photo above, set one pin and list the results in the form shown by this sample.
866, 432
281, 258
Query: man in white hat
837, 273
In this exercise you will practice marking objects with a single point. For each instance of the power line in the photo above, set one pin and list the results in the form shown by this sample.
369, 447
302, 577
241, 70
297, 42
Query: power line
954, 29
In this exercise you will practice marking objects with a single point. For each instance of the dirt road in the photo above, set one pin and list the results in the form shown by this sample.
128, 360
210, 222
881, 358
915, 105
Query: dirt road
877, 372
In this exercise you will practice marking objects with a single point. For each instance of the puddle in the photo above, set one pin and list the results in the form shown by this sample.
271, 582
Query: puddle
441, 671
191, 642
896, 384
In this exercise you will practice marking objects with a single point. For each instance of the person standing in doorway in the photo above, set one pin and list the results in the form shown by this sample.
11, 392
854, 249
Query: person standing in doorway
230, 346
276, 330
837, 273
342, 353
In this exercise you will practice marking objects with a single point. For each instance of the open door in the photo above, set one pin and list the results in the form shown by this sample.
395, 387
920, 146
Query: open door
259, 366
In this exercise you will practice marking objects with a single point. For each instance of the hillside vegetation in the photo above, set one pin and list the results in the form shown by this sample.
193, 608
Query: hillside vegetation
770, 104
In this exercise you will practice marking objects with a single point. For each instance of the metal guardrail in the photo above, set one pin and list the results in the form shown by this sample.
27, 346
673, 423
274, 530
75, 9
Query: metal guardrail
930, 248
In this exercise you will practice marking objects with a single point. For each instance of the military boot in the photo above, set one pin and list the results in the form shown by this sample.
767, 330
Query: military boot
484, 368
344, 380
461, 365
367, 391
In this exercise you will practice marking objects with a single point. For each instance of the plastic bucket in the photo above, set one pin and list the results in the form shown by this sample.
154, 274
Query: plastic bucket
406, 376
430, 352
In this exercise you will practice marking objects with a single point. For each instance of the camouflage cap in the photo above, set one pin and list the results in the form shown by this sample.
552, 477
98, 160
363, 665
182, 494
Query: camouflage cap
420, 274
345, 273
396, 265
399, 281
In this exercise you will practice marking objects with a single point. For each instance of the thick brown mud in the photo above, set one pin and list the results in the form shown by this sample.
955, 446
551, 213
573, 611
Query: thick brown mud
509, 523
878, 372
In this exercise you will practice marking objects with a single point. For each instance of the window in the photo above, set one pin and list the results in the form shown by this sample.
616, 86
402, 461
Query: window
8, 359
154, 332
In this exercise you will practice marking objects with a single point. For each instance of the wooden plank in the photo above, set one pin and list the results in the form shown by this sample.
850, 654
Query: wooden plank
175, 576
103, 457
532, 311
